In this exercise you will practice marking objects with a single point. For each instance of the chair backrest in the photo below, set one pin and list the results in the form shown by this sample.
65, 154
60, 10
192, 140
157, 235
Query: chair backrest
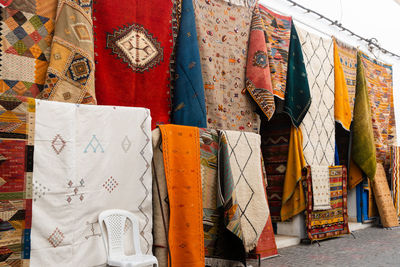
114, 221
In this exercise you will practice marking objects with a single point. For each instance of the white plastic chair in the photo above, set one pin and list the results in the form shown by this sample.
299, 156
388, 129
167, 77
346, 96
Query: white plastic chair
114, 221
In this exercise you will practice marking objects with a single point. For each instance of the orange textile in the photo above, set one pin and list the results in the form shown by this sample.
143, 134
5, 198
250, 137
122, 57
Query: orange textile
355, 175
181, 151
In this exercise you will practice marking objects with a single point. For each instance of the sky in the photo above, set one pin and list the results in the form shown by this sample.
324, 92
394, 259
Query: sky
368, 18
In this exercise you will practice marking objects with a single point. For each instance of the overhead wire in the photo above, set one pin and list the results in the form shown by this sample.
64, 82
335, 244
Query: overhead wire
371, 42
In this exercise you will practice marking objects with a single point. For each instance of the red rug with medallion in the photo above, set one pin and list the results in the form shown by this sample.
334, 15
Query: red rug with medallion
133, 46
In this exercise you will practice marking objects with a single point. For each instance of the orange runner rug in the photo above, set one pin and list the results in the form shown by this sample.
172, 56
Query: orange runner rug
181, 150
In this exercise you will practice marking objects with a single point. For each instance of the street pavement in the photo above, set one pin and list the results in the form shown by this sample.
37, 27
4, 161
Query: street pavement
372, 247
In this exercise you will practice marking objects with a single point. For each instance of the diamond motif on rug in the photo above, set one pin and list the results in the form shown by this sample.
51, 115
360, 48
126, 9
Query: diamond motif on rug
281, 168
80, 68
58, 144
26, 34
110, 184
56, 238
82, 32
136, 47
318, 126
126, 144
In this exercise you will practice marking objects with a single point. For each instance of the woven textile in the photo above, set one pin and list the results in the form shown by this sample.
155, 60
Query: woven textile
70, 76
16, 165
348, 60
363, 151
387, 211
188, 103
160, 202
395, 176
26, 33
275, 136
223, 33
320, 188
181, 152
297, 95
333, 222
209, 178
380, 91
278, 34
342, 105
266, 246
245, 164
258, 76
132, 54
293, 198
318, 125
88, 158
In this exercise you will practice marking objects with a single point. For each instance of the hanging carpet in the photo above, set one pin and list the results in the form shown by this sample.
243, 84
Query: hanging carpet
88, 159
297, 94
278, 40
223, 32
133, 55
275, 136
318, 125
26, 35
16, 165
380, 92
243, 158
293, 197
258, 75
333, 222
188, 102
363, 152
70, 76
181, 153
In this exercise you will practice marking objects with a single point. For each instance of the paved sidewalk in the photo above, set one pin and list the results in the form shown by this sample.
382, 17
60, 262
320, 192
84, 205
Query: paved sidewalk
372, 247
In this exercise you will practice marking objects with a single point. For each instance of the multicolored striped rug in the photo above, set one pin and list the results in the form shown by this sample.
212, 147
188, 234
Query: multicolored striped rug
333, 222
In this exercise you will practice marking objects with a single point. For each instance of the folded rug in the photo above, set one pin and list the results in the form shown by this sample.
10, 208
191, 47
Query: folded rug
363, 151
181, 153
318, 125
27, 29
243, 159
258, 74
88, 159
17, 121
223, 33
333, 222
70, 76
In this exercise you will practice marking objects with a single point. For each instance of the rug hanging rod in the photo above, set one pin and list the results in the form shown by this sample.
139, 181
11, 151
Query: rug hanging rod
372, 42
